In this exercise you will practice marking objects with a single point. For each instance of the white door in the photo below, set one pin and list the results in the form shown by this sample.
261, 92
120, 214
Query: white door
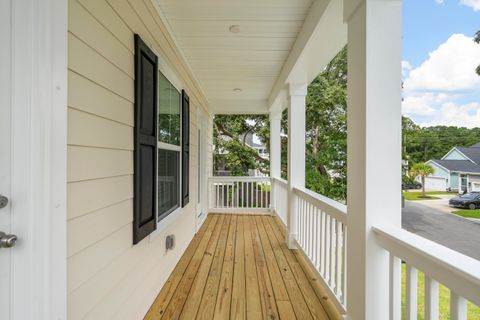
201, 169
33, 159
5, 140
435, 184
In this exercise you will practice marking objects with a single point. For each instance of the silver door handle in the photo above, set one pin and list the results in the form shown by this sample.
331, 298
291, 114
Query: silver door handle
7, 240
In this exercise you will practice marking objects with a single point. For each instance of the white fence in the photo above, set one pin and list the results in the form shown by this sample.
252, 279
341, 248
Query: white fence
459, 273
239, 194
280, 198
321, 235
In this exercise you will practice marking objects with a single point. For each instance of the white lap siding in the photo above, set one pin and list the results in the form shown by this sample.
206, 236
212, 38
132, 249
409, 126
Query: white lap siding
108, 277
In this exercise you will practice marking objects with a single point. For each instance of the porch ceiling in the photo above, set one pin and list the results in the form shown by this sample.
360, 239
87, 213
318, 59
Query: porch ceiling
250, 60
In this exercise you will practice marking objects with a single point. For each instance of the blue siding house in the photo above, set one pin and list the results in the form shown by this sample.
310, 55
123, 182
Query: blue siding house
458, 170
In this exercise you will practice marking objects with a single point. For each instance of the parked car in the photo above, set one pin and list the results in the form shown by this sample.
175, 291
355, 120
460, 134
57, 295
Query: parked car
469, 201
411, 185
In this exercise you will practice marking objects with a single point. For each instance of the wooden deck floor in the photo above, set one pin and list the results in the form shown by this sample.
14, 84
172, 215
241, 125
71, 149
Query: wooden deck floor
238, 267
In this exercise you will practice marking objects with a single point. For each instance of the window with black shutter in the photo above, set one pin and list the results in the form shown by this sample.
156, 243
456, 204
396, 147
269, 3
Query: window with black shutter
169, 148
145, 141
185, 148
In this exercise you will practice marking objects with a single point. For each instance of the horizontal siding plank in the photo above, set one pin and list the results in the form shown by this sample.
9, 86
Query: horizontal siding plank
83, 25
87, 196
104, 13
85, 163
86, 95
90, 293
88, 229
85, 264
87, 62
148, 262
85, 129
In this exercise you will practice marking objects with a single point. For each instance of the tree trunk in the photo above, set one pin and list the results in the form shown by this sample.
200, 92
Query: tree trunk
423, 187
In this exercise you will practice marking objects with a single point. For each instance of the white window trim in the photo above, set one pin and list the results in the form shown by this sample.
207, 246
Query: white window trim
170, 219
171, 147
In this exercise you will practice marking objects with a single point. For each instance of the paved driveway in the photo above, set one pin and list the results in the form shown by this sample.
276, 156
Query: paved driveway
432, 222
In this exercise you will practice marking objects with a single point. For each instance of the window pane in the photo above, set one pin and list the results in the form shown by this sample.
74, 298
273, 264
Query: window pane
168, 182
168, 112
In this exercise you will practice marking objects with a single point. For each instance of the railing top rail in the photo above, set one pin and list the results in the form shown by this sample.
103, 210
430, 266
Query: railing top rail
280, 180
457, 271
334, 208
230, 178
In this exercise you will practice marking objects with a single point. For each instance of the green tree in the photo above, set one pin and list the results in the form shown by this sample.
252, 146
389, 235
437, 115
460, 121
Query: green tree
229, 137
477, 40
423, 170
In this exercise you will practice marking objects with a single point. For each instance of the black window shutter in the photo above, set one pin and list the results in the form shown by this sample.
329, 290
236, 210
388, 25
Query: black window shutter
145, 131
185, 148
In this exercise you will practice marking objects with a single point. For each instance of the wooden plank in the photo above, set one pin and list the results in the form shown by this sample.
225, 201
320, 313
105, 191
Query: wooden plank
273, 269
298, 303
285, 310
207, 304
267, 298
194, 297
238, 305
186, 262
254, 306
314, 294
224, 296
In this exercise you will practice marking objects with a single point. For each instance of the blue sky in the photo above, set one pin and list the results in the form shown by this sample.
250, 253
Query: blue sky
439, 61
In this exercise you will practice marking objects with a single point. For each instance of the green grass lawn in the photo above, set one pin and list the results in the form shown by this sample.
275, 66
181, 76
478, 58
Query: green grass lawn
416, 195
468, 213
473, 312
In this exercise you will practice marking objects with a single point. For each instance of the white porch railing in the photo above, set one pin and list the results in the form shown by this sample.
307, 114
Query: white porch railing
239, 194
321, 236
280, 198
459, 273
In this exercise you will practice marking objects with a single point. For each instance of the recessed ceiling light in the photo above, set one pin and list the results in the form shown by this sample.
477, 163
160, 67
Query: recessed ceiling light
237, 90
234, 28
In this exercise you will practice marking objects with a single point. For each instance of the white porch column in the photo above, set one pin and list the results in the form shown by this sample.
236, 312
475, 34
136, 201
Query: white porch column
275, 144
296, 154
374, 149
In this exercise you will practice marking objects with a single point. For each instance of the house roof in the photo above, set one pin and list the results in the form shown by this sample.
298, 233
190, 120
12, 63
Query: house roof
473, 153
459, 165
476, 145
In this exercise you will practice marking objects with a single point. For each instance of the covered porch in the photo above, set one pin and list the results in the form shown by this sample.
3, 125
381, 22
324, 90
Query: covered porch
350, 257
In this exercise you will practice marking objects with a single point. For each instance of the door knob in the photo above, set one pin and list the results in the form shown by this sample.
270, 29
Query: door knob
7, 240
3, 201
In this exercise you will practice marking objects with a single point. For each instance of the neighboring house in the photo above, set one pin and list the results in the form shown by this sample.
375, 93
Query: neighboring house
458, 170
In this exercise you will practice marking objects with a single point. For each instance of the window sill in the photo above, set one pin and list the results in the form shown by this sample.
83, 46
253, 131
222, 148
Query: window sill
165, 223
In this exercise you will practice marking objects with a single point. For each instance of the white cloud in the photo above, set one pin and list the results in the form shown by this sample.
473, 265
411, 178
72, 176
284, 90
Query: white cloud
439, 1
474, 4
424, 104
452, 114
451, 67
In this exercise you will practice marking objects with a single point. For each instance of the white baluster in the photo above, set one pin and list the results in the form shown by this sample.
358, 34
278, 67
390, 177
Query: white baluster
431, 299
327, 248
412, 293
395, 279
458, 307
